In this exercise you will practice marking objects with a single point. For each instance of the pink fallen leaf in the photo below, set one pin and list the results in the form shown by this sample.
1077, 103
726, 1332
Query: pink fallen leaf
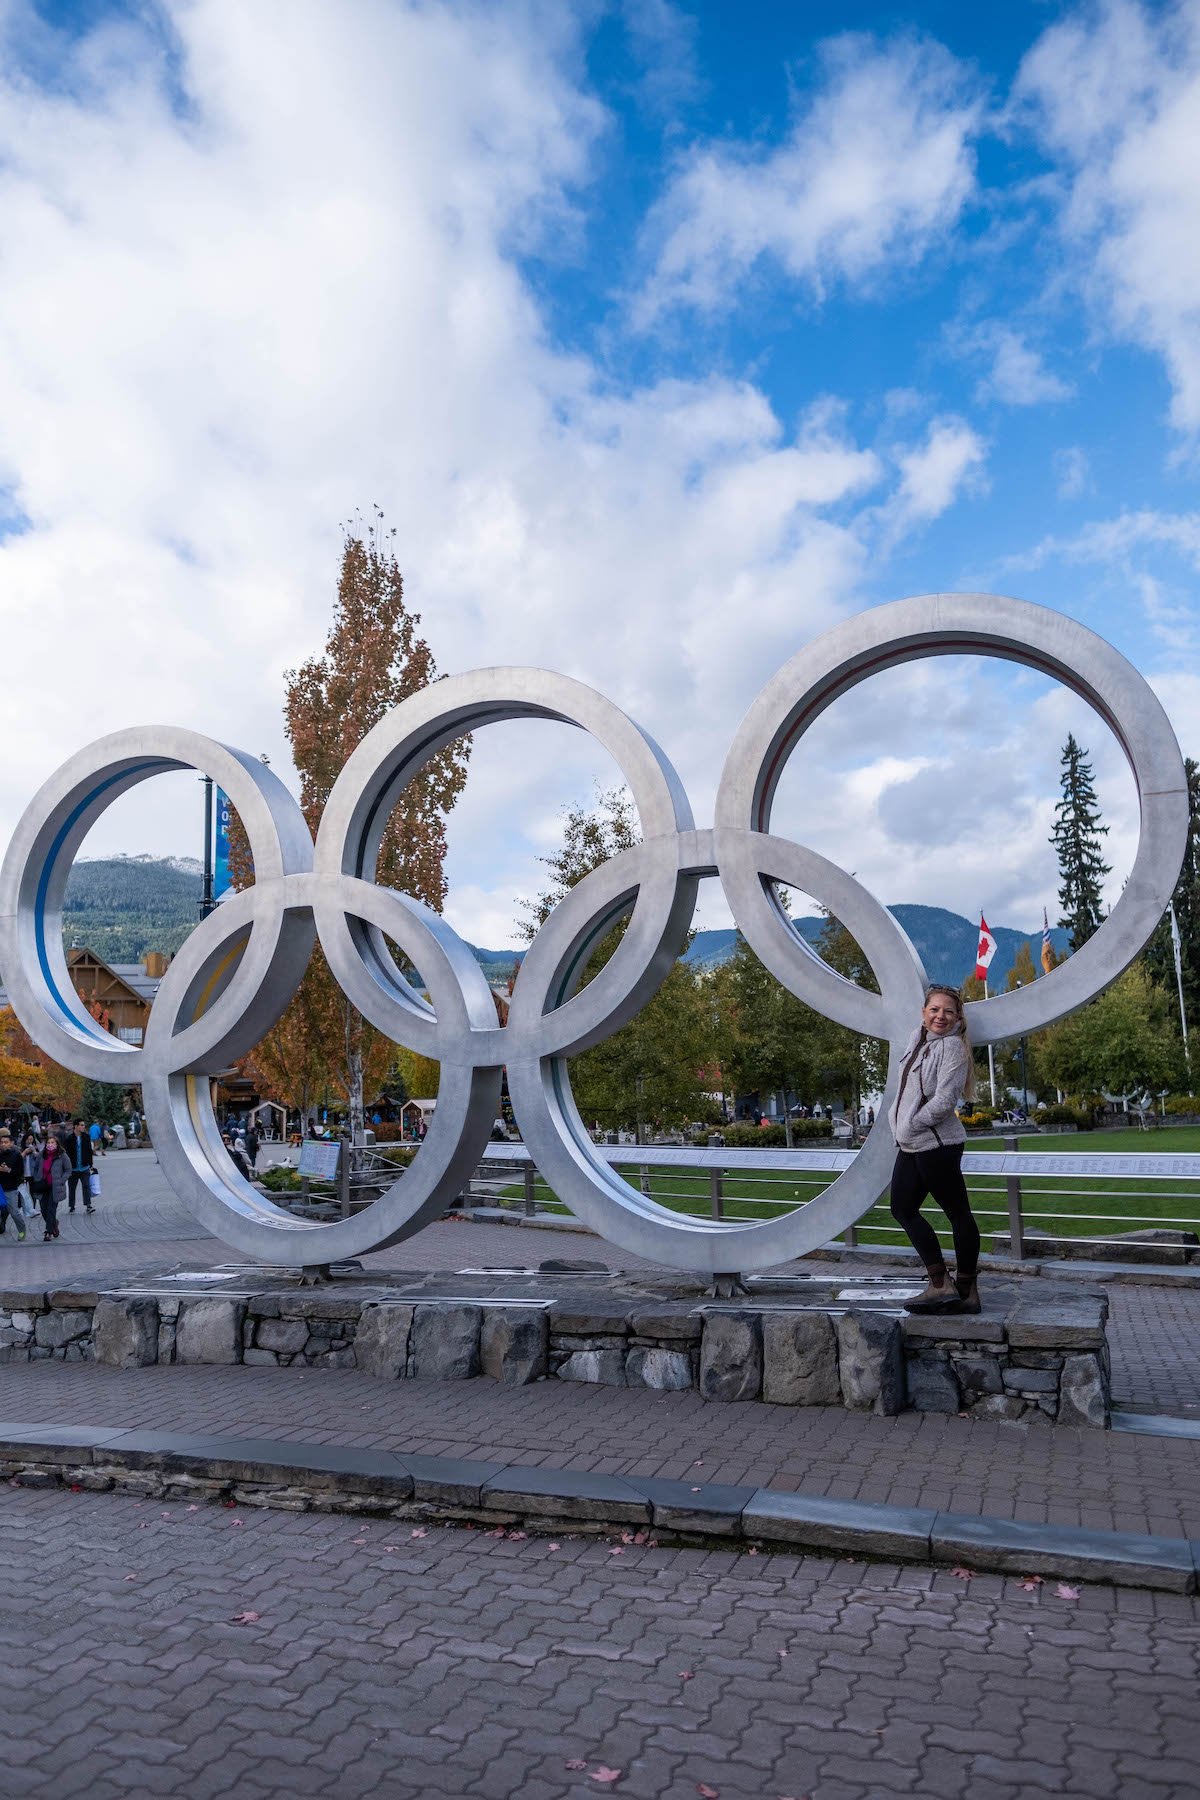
515, 1537
639, 1537
498, 1533
686, 1675
698, 1465
707, 1793
246, 1618
695, 1490
390, 1547
605, 1777
1066, 1593
129, 1577
554, 1546
753, 1550
576, 1762
783, 1653
617, 1550
964, 1574
192, 1509
419, 1531
75, 1488
1031, 1583
237, 1521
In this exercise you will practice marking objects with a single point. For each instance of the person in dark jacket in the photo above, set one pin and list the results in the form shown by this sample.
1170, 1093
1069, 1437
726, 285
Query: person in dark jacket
79, 1147
251, 1143
935, 1073
12, 1176
53, 1172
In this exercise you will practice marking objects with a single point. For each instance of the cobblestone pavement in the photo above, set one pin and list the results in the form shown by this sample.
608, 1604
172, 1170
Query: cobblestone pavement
1108, 1481
153, 1649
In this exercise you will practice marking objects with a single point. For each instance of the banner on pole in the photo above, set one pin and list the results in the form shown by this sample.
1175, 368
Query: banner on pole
222, 879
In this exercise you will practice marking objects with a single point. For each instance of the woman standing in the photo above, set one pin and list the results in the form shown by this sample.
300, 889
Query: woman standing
936, 1072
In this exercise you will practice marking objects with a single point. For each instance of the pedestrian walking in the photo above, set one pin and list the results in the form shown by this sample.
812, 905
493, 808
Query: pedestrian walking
96, 1133
250, 1143
12, 1177
935, 1073
49, 1185
82, 1158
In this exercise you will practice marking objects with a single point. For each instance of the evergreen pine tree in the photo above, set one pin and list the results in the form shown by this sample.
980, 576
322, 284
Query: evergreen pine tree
1160, 953
1076, 838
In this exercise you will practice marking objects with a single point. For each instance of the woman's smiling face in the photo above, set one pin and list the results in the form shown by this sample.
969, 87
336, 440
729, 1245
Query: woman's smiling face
940, 1013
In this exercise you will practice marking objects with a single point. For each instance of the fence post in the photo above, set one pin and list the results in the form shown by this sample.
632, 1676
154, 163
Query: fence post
1016, 1230
644, 1179
716, 1193
529, 1174
344, 1177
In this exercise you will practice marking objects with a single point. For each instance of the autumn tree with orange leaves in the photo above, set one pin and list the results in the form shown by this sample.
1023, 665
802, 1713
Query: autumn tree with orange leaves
28, 1076
373, 659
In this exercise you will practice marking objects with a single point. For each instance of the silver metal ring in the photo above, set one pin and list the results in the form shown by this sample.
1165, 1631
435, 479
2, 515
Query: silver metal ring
240, 968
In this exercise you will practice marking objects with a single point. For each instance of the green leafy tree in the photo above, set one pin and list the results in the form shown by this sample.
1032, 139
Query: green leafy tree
1160, 954
657, 1069
764, 1033
1125, 1043
1076, 839
103, 1101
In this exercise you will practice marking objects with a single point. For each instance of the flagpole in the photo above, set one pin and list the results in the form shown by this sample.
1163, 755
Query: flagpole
991, 1056
1176, 947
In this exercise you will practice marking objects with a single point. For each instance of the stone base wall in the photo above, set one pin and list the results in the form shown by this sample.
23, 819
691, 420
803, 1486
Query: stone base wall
1043, 1362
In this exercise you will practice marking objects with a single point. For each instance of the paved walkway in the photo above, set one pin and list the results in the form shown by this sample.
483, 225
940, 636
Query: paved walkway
1109, 1481
157, 1649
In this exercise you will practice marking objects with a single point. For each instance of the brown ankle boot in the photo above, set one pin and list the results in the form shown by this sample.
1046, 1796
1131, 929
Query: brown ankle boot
935, 1296
967, 1289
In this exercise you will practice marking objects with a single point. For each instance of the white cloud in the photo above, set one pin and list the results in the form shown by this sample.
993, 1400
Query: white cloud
1114, 94
874, 171
1072, 472
275, 280
1018, 376
934, 473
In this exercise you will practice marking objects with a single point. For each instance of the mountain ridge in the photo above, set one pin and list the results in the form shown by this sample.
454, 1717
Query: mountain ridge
123, 906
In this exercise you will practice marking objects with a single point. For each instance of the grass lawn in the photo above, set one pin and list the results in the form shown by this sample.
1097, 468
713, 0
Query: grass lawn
1096, 1207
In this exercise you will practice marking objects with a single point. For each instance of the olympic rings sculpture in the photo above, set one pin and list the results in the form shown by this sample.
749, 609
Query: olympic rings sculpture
239, 969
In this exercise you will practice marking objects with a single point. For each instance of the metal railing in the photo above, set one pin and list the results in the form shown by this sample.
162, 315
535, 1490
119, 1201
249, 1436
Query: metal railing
1165, 1190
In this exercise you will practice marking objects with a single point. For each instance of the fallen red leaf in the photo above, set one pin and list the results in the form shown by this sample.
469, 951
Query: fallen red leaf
419, 1531
576, 1762
554, 1546
1031, 1583
686, 1675
246, 1618
604, 1776
1066, 1593
964, 1574
707, 1793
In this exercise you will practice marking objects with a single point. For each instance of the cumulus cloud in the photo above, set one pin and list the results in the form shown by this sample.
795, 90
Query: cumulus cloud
876, 168
1113, 93
935, 472
251, 282
1018, 374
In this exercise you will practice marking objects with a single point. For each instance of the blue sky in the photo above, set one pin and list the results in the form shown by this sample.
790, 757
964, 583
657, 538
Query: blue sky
665, 336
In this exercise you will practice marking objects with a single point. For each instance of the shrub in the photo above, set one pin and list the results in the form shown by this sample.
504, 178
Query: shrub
1182, 1105
390, 1131
281, 1179
1064, 1115
773, 1137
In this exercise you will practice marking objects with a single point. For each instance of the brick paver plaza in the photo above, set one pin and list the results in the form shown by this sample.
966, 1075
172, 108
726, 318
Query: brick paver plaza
163, 1647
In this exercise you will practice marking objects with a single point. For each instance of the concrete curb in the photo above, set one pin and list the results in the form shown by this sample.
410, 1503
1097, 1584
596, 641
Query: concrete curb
404, 1484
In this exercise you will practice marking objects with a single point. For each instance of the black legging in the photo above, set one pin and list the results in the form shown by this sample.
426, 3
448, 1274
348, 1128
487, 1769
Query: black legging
920, 1173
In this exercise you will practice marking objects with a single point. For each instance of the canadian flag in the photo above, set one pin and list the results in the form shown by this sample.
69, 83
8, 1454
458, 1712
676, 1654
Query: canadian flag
986, 951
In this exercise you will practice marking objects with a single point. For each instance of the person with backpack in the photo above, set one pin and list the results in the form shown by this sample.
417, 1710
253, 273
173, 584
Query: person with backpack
49, 1183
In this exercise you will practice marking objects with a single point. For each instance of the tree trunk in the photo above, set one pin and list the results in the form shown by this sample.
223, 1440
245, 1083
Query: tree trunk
354, 1074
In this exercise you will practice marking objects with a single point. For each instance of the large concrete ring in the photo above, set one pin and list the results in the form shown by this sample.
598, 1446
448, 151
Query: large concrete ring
558, 1140
187, 1137
980, 625
39, 858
